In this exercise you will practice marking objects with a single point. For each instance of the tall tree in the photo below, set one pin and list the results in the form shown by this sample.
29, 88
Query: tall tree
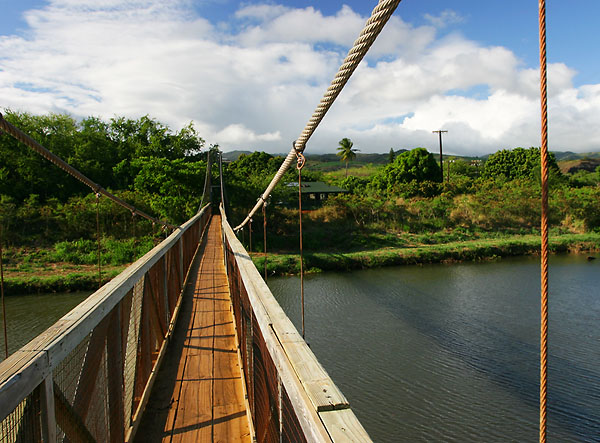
346, 151
391, 156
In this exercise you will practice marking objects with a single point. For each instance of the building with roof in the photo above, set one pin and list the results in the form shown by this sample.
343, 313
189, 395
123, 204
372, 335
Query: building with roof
314, 193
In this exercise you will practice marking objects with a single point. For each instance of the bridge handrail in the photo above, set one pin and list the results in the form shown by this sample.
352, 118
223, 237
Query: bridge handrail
45, 386
300, 394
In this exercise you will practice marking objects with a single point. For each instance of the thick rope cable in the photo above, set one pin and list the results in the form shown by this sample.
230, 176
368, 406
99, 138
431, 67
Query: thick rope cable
544, 227
53, 158
379, 17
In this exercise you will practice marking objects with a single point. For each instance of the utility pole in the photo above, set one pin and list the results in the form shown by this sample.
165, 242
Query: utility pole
441, 160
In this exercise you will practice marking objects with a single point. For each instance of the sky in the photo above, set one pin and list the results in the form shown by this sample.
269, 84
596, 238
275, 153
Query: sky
249, 74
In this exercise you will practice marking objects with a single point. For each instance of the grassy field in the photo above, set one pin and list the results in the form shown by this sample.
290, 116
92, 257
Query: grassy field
481, 249
357, 170
68, 266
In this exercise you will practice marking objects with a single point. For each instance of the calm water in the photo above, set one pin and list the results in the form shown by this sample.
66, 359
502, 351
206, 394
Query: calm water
29, 315
450, 352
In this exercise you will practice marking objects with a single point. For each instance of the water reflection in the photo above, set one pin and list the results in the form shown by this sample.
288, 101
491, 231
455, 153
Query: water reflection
450, 352
27, 316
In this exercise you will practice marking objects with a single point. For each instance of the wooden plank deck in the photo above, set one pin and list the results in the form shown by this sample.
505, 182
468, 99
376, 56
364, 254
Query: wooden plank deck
198, 395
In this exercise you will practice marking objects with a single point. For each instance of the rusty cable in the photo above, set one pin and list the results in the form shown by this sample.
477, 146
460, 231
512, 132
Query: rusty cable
98, 238
250, 236
264, 211
2, 289
300, 162
53, 158
544, 226
133, 233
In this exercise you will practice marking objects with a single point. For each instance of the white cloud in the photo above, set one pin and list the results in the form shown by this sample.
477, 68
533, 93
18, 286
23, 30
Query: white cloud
254, 82
447, 17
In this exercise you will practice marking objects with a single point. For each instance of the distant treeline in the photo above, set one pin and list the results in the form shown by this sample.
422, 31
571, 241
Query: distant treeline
144, 162
162, 172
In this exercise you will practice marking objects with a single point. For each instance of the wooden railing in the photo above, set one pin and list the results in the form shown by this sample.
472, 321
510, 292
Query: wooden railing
88, 377
290, 396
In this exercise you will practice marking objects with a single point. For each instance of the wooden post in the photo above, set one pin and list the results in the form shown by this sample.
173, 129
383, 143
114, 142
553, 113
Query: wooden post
115, 377
47, 408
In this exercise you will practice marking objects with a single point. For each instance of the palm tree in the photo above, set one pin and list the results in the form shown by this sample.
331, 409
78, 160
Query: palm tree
346, 152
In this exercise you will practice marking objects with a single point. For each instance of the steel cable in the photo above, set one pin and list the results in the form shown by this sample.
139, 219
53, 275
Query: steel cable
98, 239
53, 158
2, 289
379, 17
207, 182
264, 211
544, 226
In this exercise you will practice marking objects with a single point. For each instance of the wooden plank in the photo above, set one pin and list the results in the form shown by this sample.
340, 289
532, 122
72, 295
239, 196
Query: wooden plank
193, 423
48, 410
114, 349
343, 426
322, 391
309, 387
230, 423
199, 380
69, 420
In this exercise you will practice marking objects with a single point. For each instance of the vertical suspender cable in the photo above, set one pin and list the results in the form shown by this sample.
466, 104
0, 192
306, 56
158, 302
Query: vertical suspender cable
544, 225
264, 211
225, 207
133, 232
2, 289
250, 236
98, 238
207, 192
301, 161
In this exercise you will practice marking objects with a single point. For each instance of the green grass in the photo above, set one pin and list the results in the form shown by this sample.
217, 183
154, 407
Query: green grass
75, 281
355, 169
482, 249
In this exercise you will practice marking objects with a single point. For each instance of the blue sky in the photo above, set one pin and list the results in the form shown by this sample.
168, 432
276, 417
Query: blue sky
249, 74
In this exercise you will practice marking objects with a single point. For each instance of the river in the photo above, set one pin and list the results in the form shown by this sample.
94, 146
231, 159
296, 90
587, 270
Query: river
27, 316
436, 352
450, 352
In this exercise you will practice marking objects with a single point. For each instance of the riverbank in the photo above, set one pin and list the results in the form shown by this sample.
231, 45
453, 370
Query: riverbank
482, 249
68, 277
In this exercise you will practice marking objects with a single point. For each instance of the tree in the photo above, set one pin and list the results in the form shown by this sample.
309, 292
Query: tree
346, 152
517, 163
416, 165
391, 156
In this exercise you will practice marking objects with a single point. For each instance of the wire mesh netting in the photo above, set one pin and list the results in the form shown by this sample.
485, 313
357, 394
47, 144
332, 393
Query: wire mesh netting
273, 414
97, 388
23, 424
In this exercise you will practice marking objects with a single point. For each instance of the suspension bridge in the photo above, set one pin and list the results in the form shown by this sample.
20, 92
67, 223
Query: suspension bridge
188, 343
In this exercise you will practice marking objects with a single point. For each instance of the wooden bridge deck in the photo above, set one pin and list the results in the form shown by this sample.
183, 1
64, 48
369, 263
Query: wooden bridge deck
198, 395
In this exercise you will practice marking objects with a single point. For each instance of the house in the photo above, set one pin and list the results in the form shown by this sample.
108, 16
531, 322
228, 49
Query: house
315, 192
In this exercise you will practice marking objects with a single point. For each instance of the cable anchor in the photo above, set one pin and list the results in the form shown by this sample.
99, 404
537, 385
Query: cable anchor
300, 159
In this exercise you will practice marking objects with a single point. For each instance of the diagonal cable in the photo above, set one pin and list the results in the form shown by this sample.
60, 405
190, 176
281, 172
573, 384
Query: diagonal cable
379, 17
53, 158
